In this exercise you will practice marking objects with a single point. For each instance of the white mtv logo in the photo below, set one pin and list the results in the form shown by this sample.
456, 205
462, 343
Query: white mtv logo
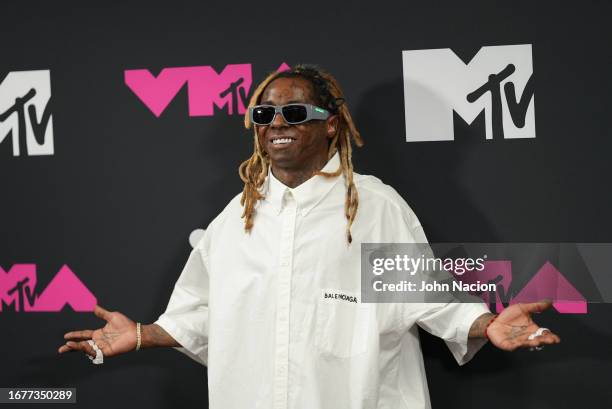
25, 114
498, 80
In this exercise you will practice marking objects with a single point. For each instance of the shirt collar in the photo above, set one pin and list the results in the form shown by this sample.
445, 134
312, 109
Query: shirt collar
308, 194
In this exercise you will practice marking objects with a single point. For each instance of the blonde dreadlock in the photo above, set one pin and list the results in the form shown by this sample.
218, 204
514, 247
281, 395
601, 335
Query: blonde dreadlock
254, 170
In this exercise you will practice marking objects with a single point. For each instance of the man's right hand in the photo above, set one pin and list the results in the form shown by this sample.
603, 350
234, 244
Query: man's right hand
118, 336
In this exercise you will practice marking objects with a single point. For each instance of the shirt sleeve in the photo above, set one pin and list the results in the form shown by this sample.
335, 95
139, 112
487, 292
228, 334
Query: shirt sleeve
186, 317
450, 321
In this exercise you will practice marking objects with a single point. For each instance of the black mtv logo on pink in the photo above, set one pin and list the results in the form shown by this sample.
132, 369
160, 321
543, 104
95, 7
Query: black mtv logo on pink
18, 291
207, 90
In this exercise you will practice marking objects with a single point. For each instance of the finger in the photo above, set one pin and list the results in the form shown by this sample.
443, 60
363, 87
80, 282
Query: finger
538, 343
537, 306
548, 339
82, 346
102, 313
67, 347
548, 335
88, 349
64, 348
79, 335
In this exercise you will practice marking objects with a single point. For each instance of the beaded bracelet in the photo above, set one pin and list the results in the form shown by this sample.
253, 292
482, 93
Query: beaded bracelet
487, 327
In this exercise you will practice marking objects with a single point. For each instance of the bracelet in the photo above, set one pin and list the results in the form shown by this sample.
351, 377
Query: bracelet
138, 336
487, 327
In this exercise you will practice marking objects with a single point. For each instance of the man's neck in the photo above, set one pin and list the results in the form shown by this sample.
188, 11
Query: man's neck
293, 177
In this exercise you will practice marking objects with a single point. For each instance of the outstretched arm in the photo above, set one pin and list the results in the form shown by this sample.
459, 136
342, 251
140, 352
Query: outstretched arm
117, 337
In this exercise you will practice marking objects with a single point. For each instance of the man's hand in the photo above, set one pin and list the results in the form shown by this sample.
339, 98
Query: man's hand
118, 336
511, 329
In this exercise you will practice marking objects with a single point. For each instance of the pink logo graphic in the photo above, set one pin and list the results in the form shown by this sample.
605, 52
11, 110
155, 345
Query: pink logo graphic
18, 285
206, 88
548, 282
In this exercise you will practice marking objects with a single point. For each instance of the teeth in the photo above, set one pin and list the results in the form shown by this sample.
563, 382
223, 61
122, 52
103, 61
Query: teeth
282, 141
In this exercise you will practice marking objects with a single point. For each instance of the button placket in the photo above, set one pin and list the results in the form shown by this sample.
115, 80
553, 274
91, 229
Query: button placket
283, 302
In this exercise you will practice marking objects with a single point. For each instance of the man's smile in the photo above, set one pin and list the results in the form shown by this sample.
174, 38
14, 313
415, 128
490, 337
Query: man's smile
281, 140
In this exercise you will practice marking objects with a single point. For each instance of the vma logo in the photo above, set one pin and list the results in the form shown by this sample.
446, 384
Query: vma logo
25, 115
497, 81
18, 291
548, 282
206, 89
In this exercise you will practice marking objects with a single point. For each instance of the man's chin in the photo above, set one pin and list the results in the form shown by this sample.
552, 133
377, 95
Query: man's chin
282, 159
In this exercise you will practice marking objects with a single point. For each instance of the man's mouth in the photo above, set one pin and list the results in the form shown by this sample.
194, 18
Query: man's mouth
282, 141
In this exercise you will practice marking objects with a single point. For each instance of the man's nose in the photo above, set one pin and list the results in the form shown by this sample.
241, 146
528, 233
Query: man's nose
278, 121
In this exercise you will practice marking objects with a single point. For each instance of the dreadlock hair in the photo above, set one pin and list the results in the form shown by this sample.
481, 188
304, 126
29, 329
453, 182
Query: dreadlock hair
328, 95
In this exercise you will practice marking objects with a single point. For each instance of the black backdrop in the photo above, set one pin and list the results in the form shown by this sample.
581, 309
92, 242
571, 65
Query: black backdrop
123, 190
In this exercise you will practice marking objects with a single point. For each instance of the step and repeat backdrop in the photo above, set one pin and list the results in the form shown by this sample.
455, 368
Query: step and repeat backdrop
121, 133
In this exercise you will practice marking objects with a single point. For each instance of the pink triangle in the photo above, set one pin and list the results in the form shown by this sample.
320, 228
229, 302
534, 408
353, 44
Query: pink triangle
551, 284
283, 67
65, 288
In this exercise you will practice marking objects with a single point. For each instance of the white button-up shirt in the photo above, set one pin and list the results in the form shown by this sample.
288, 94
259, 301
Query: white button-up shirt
252, 307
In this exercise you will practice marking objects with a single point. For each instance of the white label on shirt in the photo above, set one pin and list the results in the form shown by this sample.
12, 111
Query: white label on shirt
339, 295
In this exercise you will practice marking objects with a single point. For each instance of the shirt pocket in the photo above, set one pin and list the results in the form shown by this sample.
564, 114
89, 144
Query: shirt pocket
341, 328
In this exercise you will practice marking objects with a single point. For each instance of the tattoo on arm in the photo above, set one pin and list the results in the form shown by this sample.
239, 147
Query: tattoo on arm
478, 327
155, 336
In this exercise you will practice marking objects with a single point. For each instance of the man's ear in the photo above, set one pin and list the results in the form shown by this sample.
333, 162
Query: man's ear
332, 126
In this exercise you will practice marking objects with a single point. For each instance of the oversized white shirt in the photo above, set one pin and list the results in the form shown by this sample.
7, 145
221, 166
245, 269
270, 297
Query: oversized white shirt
252, 307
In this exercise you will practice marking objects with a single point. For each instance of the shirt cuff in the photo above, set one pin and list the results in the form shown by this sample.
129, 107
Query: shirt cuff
189, 345
464, 348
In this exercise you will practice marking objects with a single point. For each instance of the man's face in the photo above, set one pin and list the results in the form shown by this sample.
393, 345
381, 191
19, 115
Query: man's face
309, 140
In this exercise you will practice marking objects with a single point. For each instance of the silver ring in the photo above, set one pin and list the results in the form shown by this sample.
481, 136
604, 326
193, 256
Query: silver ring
99, 359
536, 334
539, 332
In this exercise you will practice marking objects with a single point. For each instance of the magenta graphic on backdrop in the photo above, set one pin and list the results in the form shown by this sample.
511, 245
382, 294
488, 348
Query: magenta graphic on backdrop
17, 289
206, 88
548, 283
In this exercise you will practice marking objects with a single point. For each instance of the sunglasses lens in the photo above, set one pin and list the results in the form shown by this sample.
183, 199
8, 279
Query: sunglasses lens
263, 115
295, 113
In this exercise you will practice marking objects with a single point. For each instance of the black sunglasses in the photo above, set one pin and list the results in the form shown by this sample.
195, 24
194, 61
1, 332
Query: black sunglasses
293, 114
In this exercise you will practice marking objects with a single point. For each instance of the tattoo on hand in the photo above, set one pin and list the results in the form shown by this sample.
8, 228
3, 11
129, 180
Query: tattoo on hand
517, 331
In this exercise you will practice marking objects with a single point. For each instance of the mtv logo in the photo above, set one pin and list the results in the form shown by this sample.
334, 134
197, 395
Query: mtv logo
438, 83
25, 114
207, 89
18, 291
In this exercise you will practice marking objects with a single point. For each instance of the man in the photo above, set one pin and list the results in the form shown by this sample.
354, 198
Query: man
271, 303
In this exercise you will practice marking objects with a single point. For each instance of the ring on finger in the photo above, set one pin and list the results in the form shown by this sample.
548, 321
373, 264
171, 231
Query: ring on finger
538, 333
99, 358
